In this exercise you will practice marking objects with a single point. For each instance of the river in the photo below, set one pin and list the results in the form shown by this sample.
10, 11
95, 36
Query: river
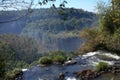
87, 61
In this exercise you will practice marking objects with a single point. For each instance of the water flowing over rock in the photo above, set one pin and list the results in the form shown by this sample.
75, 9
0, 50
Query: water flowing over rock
94, 57
84, 62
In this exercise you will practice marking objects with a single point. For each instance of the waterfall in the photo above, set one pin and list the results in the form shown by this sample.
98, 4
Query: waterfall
92, 57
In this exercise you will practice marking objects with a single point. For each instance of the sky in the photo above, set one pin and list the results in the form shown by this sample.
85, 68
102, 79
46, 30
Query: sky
88, 5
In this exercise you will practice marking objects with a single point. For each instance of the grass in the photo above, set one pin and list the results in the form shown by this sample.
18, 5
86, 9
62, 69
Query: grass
55, 56
45, 60
101, 66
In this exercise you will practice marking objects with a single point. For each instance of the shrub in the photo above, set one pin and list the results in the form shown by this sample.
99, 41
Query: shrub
101, 66
71, 55
2, 67
69, 58
106, 35
45, 60
21, 64
54, 53
54, 56
11, 74
89, 35
59, 58
94, 40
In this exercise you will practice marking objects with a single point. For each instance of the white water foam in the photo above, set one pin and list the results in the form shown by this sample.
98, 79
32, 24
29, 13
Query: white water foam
93, 59
112, 55
90, 54
70, 78
40, 79
24, 70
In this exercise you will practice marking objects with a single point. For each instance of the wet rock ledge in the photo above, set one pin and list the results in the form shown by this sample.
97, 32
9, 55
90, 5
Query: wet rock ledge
89, 74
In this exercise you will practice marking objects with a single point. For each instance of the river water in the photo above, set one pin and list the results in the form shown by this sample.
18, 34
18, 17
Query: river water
87, 61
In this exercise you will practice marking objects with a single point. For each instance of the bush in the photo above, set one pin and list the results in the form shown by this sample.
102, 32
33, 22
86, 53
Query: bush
89, 35
45, 60
16, 71
2, 67
95, 40
54, 53
11, 74
101, 66
71, 55
21, 64
59, 58
54, 56
106, 35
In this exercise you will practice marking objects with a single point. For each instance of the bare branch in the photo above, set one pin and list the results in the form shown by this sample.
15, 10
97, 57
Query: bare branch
27, 5
16, 5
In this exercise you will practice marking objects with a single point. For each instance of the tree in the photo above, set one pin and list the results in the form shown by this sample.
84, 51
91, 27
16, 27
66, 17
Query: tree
109, 16
26, 5
107, 34
116, 13
16, 5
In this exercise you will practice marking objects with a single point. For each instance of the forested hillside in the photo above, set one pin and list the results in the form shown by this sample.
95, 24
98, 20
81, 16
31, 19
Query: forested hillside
59, 43
54, 29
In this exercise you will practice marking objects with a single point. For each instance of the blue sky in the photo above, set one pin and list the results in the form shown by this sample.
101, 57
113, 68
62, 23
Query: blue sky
88, 5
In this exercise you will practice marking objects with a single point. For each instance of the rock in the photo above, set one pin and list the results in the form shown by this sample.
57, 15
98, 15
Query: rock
18, 76
70, 62
114, 67
66, 72
112, 78
117, 63
109, 69
115, 71
96, 74
88, 73
61, 76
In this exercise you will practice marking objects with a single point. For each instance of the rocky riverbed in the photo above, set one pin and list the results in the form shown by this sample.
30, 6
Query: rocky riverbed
79, 68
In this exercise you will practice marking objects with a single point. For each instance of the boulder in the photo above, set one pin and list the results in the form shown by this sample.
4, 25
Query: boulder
18, 76
70, 62
85, 74
61, 76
